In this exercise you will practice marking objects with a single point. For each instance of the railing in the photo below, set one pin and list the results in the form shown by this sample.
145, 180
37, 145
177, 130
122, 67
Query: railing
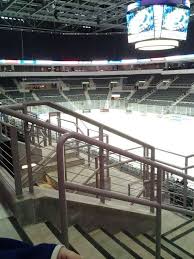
9, 154
158, 174
186, 108
156, 193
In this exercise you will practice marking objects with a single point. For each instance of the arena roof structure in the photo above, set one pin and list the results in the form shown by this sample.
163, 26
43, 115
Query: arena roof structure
73, 16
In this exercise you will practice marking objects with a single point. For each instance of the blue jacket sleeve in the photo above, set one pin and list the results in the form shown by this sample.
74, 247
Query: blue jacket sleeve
19, 250
10, 244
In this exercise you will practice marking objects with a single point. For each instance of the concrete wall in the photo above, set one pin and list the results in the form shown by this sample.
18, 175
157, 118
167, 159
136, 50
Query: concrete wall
88, 212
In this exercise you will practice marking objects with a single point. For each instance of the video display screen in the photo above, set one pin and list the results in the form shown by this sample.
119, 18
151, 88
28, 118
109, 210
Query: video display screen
158, 21
140, 24
175, 22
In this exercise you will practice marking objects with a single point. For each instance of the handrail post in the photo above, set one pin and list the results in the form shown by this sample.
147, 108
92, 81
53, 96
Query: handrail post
145, 172
185, 184
65, 162
152, 180
37, 134
101, 164
59, 122
49, 137
33, 137
28, 152
15, 160
158, 214
89, 149
45, 137
77, 130
107, 156
97, 173
102, 183
62, 194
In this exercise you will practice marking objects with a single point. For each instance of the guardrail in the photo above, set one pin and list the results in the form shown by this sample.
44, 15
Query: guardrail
154, 173
157, 172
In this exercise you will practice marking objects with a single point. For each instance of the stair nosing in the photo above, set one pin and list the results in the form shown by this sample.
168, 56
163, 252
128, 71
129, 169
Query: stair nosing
163, 247
57, 234
178, 247
182, 234
177, 227
130, 251
96, 245
148, 249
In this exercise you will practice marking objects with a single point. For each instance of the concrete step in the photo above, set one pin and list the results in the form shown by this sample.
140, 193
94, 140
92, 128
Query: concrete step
82, 245
74, 161
110, 245
173, 222
40, 171
70, 162
175, 248
45, 186
8, 230
142, 251
186, 242
40, 233
68, 154
180, 231
152, 245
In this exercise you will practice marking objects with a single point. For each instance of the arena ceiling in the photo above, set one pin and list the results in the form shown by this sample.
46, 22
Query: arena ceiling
65, 16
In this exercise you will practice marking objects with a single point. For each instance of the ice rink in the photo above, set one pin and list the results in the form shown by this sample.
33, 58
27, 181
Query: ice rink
173, 133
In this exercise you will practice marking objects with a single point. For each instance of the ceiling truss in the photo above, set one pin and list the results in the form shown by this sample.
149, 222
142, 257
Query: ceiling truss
64, 16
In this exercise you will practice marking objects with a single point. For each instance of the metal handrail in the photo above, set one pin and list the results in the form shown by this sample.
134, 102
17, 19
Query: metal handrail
74, 114
72, 123
47, 125
170, 152
89, 120
175, 166
62, 184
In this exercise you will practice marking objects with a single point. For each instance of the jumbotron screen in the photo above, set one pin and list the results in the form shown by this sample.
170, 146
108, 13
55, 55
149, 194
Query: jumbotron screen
175, 22
158, 21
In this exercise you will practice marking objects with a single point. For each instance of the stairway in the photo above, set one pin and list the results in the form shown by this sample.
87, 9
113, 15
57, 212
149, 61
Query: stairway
147, 95
178, 100
35, 96
48, 164
12, 101
99, 243
132, 92
181, 234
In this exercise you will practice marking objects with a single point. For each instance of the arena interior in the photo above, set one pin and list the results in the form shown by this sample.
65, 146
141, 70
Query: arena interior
96, 143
